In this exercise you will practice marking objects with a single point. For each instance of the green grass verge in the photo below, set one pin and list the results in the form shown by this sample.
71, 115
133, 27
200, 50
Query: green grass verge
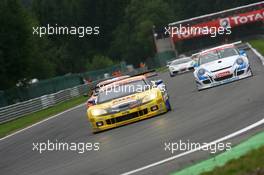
258, 44
241, 159
251, 163
162, 69
27, 120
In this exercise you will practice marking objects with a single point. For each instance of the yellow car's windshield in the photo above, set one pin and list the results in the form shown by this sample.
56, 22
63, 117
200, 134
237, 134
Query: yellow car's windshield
118, 91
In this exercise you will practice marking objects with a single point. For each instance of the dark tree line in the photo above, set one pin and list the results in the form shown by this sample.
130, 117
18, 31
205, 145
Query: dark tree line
125, 33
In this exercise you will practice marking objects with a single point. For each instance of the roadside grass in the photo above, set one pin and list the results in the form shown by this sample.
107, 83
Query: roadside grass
258, 44
27, 120
251, 163
162, 69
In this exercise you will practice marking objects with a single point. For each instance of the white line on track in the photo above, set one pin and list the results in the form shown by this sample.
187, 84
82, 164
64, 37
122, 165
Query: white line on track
261, 57
42, 121
170, 158
199, 148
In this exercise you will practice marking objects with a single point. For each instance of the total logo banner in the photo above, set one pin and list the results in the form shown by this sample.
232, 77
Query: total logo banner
215, 27
243, 18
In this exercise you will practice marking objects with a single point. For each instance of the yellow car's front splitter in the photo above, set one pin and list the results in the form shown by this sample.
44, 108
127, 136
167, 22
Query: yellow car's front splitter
148, 110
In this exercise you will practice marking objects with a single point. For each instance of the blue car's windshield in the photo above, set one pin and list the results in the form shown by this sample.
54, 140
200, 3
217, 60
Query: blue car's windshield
216, 55
208, 57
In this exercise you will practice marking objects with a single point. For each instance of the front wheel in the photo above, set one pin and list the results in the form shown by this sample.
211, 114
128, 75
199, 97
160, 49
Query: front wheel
168, 105
172, 75
250, 71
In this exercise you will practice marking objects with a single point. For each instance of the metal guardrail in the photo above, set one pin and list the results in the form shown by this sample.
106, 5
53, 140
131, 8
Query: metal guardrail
217, 13
21, 109
17, 110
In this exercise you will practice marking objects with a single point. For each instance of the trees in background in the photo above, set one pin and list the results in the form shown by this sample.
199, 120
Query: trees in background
133, 40
125, 33
99, 62
21, 55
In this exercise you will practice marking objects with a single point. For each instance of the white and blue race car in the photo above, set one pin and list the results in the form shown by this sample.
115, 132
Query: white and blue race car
221, 65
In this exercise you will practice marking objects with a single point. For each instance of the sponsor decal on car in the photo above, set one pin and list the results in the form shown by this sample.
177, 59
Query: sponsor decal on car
224, 81
124, 99
223, 74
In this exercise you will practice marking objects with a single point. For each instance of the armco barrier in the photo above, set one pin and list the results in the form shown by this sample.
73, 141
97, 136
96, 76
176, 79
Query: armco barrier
20, 109
53, 85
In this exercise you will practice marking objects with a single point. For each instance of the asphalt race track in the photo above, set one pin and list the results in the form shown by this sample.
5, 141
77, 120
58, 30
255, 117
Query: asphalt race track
197, 116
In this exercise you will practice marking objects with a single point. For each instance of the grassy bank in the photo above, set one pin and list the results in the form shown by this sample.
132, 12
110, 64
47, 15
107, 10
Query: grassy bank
35, 117
251, 163
162, 69
245, 158
258, 44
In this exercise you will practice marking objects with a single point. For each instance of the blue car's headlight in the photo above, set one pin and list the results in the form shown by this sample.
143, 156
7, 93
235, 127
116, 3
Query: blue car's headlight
201, 72
239, 61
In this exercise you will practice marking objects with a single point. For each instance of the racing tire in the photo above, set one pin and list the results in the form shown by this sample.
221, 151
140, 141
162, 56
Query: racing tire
251, 71
168, 105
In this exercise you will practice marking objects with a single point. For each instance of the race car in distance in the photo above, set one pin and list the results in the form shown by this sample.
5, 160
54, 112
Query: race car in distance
195, 56
220, 65
181, 65
127, 101
92, 100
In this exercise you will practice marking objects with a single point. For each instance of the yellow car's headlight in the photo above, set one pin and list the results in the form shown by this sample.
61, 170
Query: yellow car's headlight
98, 112
149, 97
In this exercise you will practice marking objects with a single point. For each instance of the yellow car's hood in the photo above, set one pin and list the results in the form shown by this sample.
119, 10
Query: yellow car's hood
130, 99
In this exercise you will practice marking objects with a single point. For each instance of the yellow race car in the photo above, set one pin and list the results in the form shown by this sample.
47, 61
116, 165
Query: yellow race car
127, 101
